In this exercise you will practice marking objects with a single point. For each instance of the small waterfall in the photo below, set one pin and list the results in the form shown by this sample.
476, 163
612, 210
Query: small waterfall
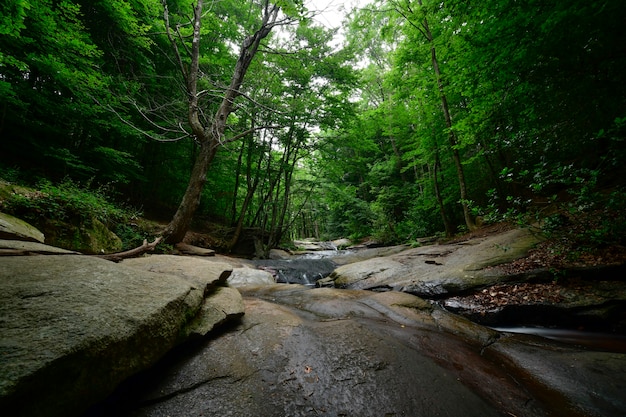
303, 270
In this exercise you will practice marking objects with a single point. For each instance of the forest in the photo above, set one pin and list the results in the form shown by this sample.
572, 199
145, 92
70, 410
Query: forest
415, 118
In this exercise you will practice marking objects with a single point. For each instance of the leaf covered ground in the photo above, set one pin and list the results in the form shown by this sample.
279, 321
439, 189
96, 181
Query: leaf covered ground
562, 260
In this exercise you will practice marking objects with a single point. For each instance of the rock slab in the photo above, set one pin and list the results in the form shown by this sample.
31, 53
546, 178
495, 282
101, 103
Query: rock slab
440, 269
74, 327
12, 228
305, 352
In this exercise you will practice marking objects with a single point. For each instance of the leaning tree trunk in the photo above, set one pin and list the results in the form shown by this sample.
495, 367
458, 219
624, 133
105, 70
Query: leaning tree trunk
178, 226
210, 137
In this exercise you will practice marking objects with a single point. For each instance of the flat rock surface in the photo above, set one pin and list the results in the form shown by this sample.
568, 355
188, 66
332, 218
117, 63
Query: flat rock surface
31, 247
73, 327
330, 352
201, 272
439, 269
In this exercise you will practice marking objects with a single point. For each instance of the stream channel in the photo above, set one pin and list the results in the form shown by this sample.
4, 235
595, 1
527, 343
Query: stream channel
307, 268
303, 269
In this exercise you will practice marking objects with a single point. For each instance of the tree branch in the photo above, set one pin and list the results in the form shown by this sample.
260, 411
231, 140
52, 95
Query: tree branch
247, 132
133, 253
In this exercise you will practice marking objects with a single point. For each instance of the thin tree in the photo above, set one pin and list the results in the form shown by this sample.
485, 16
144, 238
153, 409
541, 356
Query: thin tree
424, 28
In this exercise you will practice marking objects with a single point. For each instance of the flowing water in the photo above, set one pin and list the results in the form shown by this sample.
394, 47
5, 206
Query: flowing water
303, 271
307, 268
608, 342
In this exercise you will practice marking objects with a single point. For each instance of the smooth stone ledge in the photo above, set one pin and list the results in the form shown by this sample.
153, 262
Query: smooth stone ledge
73, 327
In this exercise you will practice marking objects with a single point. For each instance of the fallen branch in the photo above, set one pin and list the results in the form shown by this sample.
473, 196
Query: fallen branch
186, 249
132, 253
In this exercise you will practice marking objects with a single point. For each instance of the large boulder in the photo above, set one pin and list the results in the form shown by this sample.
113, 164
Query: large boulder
12, 228
439, 269
221, 305
74, 327
87, 237
250, 276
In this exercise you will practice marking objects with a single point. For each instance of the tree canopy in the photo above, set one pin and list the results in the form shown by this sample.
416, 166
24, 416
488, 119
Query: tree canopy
416, 118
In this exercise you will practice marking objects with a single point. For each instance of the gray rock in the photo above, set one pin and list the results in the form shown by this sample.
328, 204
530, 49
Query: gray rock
12, 228
342, 243
305, 352
279, 254
313, 245
439, 269
202, 273
31, 248
357, 255
249, 276
73, 327
224, 304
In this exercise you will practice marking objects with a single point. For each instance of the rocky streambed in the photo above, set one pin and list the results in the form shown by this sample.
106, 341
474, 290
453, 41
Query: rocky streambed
309, 352
165, 336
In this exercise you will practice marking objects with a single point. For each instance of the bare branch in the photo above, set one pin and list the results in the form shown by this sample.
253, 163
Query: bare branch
247, 132
168, 31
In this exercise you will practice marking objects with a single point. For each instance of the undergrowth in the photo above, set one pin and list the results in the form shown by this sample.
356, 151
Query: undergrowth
71, 202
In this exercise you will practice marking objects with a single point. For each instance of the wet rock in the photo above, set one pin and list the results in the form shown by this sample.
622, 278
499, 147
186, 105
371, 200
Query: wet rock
576, 382
303, 352
301, 271
327, 282
441, 269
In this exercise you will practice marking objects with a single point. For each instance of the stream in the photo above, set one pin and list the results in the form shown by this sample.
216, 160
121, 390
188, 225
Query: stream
605, 342
303, 269
309, 267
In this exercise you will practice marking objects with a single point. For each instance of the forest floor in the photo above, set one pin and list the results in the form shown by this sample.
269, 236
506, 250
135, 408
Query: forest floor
559, 256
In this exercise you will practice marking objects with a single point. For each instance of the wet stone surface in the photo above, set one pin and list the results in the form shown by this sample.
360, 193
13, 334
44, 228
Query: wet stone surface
309, 352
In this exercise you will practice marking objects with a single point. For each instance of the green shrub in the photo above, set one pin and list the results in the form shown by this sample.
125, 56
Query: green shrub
73, 203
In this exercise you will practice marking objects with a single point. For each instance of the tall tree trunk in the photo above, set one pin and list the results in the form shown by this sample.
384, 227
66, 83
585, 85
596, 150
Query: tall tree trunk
469, 221
442, 210
210, 137
233, 208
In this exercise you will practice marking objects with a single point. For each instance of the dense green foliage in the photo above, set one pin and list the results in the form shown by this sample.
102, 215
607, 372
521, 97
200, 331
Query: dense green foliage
508, 109
536, 97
